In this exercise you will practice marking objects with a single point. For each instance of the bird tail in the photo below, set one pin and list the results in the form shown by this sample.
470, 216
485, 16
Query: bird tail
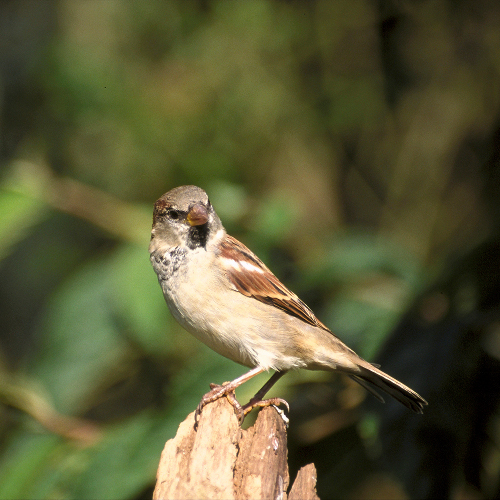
370, 377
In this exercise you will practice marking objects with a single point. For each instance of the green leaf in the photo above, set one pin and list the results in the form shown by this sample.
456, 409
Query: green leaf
361, 325
19, 212
138, 299
356, 254
126, 461
26, 457
80, 339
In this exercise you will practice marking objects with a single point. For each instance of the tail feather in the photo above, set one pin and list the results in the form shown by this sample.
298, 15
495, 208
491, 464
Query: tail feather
369, 376
368, 387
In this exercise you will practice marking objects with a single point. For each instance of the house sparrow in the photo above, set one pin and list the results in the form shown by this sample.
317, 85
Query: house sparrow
224, 295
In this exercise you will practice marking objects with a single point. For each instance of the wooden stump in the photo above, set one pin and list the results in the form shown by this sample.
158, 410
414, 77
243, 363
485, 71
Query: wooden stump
219, 460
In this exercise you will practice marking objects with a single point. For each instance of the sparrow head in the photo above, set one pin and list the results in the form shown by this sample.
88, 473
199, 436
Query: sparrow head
183, 216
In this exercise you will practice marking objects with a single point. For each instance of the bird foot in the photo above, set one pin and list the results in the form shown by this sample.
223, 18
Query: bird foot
226, 389
218, 391
261, 403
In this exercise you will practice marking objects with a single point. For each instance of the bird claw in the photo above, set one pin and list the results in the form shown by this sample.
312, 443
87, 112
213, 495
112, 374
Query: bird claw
282, 414
218, 391
263, 403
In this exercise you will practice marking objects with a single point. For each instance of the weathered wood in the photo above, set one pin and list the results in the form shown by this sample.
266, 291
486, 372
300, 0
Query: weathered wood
261, 467
219, 460
304, 486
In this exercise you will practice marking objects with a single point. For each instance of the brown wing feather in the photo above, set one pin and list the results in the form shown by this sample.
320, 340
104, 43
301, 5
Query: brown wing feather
251, 277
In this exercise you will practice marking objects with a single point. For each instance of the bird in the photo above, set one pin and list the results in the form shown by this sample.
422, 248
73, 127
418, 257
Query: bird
222, 293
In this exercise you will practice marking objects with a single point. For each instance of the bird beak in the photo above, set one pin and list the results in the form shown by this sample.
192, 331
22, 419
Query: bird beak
198, 215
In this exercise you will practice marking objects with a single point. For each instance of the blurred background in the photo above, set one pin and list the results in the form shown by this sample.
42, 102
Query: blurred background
354, 145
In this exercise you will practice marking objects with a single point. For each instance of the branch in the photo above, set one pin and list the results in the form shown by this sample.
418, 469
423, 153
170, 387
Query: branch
219, 460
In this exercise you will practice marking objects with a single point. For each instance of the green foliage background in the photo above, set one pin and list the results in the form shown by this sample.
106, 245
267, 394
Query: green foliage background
343, 141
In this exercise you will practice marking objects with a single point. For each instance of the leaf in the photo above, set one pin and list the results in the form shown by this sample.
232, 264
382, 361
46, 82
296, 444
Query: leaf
80, 339
361, 325
355, 254
26, 457
126, 461
20, 212
137, 298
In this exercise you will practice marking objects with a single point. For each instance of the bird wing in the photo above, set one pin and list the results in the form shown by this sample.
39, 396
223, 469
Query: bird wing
251, 277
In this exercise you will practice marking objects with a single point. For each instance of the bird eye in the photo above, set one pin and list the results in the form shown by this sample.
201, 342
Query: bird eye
173, 214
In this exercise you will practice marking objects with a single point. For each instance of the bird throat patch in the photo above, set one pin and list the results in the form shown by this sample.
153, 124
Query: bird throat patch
198, 236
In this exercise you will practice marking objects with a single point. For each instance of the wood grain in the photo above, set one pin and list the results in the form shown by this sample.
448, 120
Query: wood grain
219, 460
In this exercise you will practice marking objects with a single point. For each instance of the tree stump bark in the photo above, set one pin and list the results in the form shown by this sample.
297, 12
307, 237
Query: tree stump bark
219, 460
